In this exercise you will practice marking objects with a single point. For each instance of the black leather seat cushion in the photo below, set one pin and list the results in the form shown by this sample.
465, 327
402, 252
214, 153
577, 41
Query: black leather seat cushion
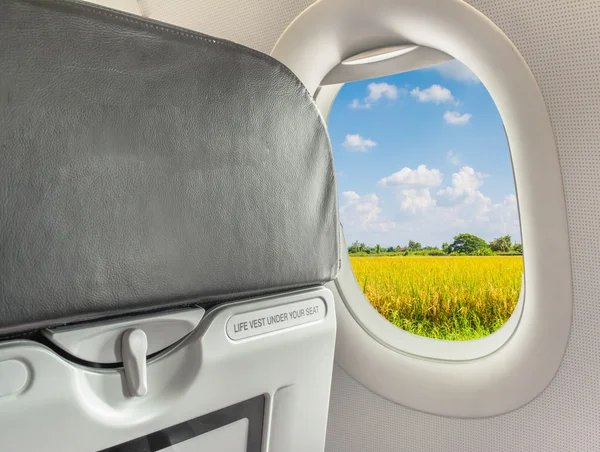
144, 166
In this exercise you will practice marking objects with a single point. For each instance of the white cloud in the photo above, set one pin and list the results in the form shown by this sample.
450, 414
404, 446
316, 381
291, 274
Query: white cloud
504, 218
435, 93
478, 214
429, 216
464, 183
465, 187
455, 70
354, 142
480, 201
350, 196
455, 118
453, 158
415, 200
419, 176
357, 105
362, 213
421, 216
475, 211
376, 92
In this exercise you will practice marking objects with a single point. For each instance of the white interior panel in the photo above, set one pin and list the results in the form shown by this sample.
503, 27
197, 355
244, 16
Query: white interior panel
560, 41
418, 58
67, 407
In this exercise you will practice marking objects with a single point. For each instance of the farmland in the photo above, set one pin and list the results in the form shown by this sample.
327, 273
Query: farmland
453, 297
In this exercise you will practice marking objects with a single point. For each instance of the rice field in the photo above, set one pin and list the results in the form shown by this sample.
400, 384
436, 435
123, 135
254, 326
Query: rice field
452, 298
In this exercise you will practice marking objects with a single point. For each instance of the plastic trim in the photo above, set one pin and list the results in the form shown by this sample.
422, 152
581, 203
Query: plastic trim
201, 374
100, 342
415, 59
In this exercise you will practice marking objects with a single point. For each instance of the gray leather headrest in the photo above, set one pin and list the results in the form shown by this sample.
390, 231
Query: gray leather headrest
144, 166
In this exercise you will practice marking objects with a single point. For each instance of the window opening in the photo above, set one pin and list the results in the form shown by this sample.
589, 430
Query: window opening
428, 202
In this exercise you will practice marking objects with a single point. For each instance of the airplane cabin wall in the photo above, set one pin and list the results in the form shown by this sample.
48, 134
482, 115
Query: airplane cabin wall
560, 40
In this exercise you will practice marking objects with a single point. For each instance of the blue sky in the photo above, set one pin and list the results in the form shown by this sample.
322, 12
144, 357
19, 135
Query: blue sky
422, 155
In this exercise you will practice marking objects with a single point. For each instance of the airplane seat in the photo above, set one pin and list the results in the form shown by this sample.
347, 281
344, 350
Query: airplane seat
168, 219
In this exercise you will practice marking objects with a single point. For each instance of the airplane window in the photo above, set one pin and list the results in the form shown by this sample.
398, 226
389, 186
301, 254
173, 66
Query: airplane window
427, 201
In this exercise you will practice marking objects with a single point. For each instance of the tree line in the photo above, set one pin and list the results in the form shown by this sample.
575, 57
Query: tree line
463, 245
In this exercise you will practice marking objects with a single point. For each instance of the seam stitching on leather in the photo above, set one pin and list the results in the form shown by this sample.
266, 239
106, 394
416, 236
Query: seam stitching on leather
99, 10
15, 335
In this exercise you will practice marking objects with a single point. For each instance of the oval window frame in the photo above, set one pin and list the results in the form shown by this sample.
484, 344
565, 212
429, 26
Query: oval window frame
525, 364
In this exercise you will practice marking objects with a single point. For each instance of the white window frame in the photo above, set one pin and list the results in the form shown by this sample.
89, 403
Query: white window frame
493, 375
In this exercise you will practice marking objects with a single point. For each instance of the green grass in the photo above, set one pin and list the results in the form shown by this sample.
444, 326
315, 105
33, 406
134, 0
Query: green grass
452, 298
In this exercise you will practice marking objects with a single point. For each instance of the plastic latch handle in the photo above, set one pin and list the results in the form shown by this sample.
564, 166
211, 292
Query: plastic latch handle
134, 348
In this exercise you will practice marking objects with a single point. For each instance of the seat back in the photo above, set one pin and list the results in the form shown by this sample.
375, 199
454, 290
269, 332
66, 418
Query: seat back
168, 217
146, 167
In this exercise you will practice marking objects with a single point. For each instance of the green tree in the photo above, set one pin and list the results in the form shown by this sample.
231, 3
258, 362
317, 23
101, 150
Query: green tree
518, 248
354, 248
446, 248
467, 244
483, 251
501, 244
378, 248
435, 252
357, 247
414, 246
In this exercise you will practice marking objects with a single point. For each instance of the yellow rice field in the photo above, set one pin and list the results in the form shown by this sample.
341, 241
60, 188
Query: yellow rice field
454, 298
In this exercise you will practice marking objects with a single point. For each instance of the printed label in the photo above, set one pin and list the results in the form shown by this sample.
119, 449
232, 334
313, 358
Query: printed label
248, 324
